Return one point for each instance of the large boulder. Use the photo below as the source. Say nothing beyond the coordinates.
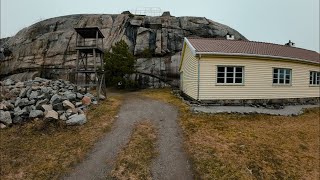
(5, 117)
(24, 102)
(5, 105)
(35, 114)
(67, 104)
(46, 107)
(8, 82)
(34, 95)
(46, 45)
(76, 119)
(86, 100)
(142, 40)
(51, 115)
(56, 99)
(20, 112)
(70, 95)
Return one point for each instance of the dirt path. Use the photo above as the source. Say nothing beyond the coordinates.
(171, 162)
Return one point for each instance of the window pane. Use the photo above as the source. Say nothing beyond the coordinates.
(287, 81)
(220, 80)
(281, 81)
(275, 76)
(220, 75)
(288, 76)
(220, 69)
(230, 75)
(275, 81)
(229, 80)
(281, 71)
(239, 69)
(281, 76)
(314, 81)
(311, 74)
(275, 71)
(288, 72)
(238, 80)
(230, 69)
(239, 75)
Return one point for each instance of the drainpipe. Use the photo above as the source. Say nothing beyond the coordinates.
(198, 77)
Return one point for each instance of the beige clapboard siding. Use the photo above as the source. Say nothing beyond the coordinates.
(190, 74)
(257, 80)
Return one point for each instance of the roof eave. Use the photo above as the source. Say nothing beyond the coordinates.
(193, 50)
(254, 55)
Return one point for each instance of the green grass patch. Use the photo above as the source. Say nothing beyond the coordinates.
(134, 161)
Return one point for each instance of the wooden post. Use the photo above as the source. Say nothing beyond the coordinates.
(95, 62)
(86, 74)
(97, 40)
(96, 78)
(102, 43)
(77, 64)
(77, 39)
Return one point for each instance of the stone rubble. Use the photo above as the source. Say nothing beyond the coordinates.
(50, 100)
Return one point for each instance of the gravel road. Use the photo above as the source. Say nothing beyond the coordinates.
(171, 163)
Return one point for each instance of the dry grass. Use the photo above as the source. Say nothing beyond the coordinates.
(134, 161)
(40, 150)
(234, 146)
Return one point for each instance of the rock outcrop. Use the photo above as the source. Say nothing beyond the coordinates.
(48, 47)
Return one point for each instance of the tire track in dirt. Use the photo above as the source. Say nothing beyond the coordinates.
(171, 163)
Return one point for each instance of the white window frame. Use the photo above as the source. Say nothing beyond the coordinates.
(312, 75)
(278, 77)
(234, 75)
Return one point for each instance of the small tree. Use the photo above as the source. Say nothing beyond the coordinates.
(119, 64)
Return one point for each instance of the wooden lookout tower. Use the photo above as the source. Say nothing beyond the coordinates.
(89, 62)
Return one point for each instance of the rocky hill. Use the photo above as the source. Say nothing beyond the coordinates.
(48, 46)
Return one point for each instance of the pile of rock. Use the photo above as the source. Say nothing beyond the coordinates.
(41, 98)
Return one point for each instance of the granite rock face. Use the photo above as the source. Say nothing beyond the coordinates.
(48, 47)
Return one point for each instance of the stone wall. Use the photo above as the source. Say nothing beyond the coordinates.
(266, 103)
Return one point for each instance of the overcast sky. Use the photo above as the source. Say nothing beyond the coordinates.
(274, 21)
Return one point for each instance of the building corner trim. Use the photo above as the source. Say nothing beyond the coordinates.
(198, 91)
